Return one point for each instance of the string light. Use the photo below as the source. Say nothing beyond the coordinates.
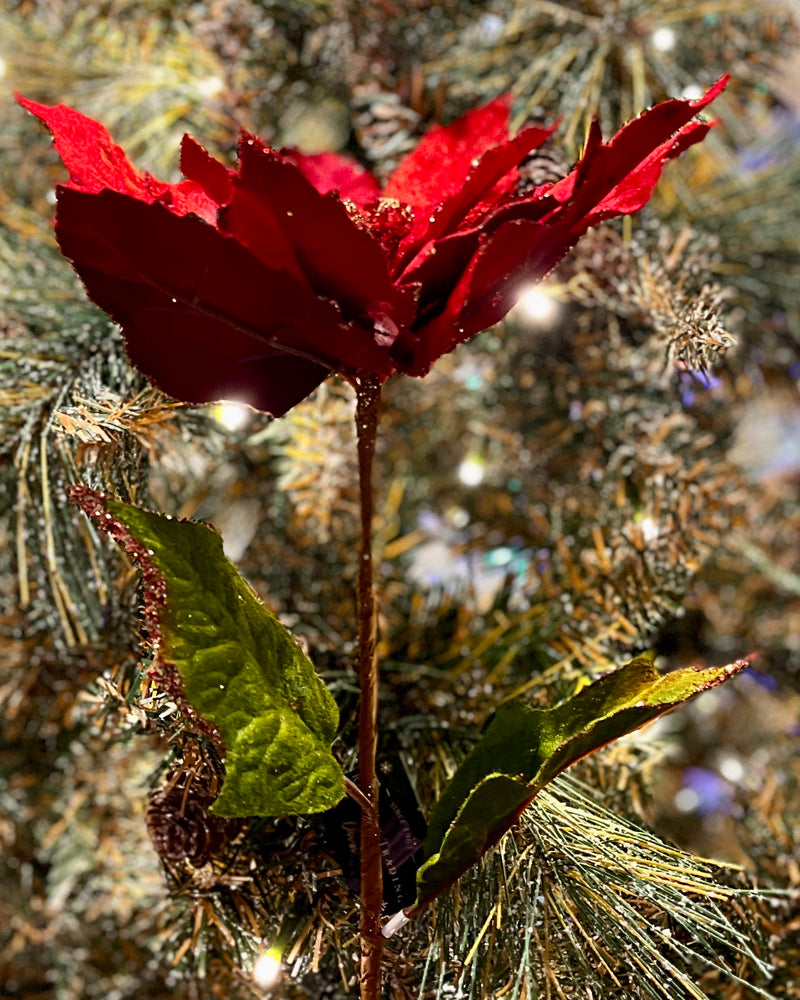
(267, 967)
(538, 305)
(650, 528)
(663, 39)
(210, 86)
(472, 470)
(231, 415)
(731, 768)
(491, 28)
(686, 800)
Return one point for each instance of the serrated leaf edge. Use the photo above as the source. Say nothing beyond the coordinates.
(94, 504)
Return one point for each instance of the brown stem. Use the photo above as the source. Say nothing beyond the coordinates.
(356, 794)
(368, 395)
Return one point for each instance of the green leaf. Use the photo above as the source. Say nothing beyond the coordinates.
(523, 748)
(239, 667)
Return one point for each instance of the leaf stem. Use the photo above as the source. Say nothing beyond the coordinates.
(368, 395)
(356, 794)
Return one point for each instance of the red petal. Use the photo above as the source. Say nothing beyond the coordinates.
(491, 178)
(439, 165)
(96, 164)
(190, 298)
(473, 278)
(625, 170)
(188, 198)
(439, 267)
(633, 193)
(255, 212)
(334, 172)
(213, 177)
(516, 255)
(519, 253)
(281, 218)
(208, 361)
(93, 161)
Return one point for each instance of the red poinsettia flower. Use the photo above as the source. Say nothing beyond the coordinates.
(254, 284)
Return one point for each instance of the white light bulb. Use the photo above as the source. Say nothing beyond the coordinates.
(231, 415)
(650, 528)
(686, 800)
(210, 86)
(537, 305)
(267, 967)
(663, 39)
(731, 768)
(471, 471)
(491, 27)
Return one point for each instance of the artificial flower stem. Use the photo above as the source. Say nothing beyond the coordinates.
(368, 394)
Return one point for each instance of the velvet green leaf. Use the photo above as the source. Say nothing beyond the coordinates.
(240, 669)
(523, 748)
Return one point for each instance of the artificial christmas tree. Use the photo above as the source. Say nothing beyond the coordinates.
(590, 490)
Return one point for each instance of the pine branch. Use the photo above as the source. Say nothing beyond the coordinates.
(582, 60)
(584, 901)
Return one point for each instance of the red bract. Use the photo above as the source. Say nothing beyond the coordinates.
(254, 284)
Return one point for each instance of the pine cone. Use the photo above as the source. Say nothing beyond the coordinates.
(599, 271)
(544, 165)
(180, 824)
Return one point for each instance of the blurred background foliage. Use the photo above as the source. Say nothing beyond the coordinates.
(615, 467)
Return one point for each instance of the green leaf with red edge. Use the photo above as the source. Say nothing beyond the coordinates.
(523, 748)
(240, 669)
